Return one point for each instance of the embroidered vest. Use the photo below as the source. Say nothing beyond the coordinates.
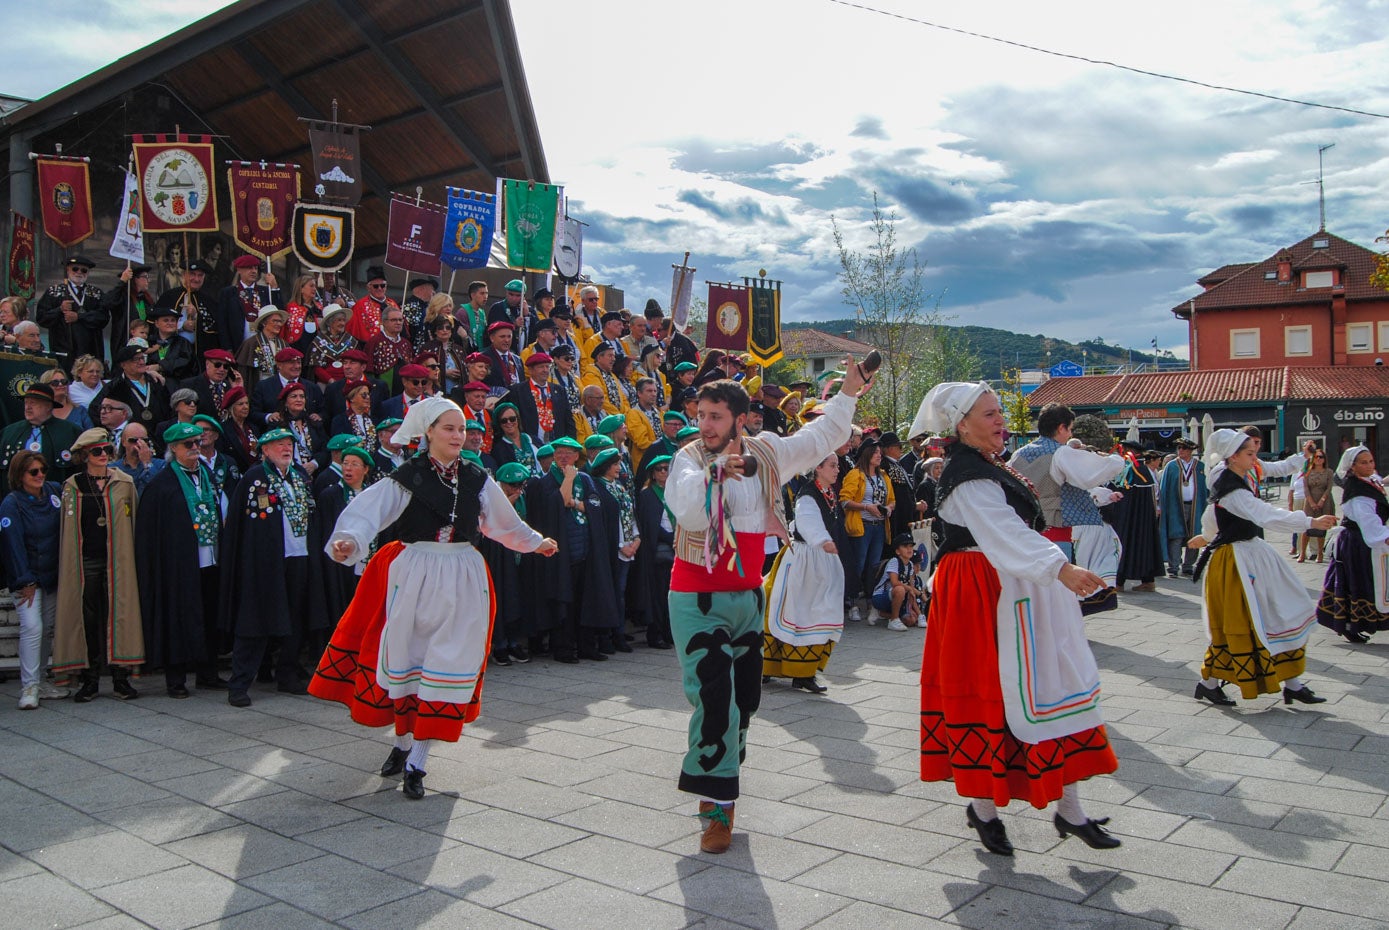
(431, 501)
(689, 544)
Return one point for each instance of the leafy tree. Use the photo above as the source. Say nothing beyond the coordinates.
(1380, 277)
(1016, 415)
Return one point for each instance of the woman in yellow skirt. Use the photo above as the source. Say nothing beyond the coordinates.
(1258, 614)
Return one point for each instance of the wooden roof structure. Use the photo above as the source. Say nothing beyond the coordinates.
(440, 83)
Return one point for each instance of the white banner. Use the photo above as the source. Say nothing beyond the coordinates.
(129, 241)
(569, 248)
(681, 283)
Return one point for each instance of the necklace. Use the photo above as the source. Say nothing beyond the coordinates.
(448, 477)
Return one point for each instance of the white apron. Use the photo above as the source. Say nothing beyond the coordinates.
(1282, 611)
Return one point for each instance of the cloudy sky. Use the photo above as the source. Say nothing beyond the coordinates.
(1044, 194)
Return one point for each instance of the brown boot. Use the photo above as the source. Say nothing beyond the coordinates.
(718, 827)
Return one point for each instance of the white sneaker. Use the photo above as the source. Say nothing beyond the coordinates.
(873, 618)
(51, 692)
(921, 623)
(896, 625)
(854, 616)
(29, 697)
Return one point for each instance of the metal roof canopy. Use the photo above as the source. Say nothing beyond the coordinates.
(440, 82)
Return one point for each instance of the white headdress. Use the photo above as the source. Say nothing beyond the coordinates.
(422, 415)
(1348, 459)
(1222, 444)
(945, 405)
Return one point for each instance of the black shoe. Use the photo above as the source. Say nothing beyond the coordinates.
(1215, 695)
(499, 657)
(238, 699)
(658, 644)
(265, 675)
(123, 690)
(991, 832)
(519, 655)
(1354, 636)
(593, 655)
(413, 784)
(1302, 695)
(606, 647)
(395, 763)
(211, 684)
(87, 691)
(621, 644)
(766, 679)
(178, 692)
(293, 686)
(808, 684)
(1092, 832)
(567, 658)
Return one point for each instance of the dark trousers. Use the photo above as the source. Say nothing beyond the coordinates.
(95, 607)
(176, 673)
(249, 651)
(564, 639)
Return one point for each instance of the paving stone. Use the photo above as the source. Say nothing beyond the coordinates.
(486, 878)
(579, 904)
(864, 916)
(919, 891)
(330, 886)
(243, 851)
(290, 813)
(44, 900)
(1345, 894)
(167, 819)
(46, 825)
(881, 841)
(434, 910)
(510, 834)
(104, 860)
(217, 788)
(182, 897)
(1309, 918)
(1274, 845)
(1004, 907)
(104, 792)
(634, 824)
(277, 916)
(753, 900)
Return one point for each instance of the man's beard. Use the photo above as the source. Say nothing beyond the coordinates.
(732, 435)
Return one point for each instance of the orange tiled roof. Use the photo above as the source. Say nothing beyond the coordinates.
(799, 343)
(1231, 385)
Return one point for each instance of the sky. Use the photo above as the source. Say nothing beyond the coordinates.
(1043, 194)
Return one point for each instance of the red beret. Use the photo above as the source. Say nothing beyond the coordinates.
(475, 386)
(478, 357)
(356, 355)
(232, 396)
(500, 324)
(288, 354)
(414, 371)
(246, 261)
(218, 355)
(291, 388)
(538, 358)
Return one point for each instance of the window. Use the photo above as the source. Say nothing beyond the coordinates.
(1317, 279)
(1321, 243)
(819, 365)
(1384, 337)
(1297, 340)
(1270, 275)
(1360, 337)
(1244, 343)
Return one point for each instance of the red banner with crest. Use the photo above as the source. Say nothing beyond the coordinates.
(66, 191)
(177, 193)
(262, 204)
(21, 266)
(728, 318)
(415, 235)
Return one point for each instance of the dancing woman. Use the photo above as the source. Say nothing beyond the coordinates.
(1352, 602)
(1009, 687)
(1258, 631)
(417, 659)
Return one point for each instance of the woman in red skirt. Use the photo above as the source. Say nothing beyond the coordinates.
(1009, 687)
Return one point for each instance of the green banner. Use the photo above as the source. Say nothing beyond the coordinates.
(17, 372)
(531, 211)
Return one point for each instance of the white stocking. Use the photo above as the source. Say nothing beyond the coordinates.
(1295, 683)
(419, 754)
(405, 741)
(1211, 682)
(1069, 806)
(984, 810)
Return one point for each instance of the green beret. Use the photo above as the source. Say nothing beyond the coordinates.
(389, 422)
(546, 451)
(181, 431)
(472, 456)
(360, 453)
(497, 410)
(609, 424)
(675, 414)
(513, 473)
(658, 461)
(597, 441)
(687, 432)
(474, 426)
(601, 460)
(342, 441)
(210, 422)
(274, 435)
(517, 285)
(684, 367)
(567, 442)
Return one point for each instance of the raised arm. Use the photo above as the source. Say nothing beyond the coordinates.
(368, 514)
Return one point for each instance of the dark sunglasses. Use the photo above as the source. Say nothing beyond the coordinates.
(59, 382)
(505, 420)
(36, 471)
(376, 287)
(102, 450)
(219, 365)
(416, 380)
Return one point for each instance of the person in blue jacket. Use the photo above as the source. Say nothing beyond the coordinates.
(29, 522)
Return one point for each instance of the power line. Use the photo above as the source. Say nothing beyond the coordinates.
(1107, 64)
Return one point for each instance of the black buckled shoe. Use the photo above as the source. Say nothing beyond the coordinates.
(395, 762)
(413, 784)
(1092, 832)
(991, 832)
(123, 690)
(1355, 636)
(808, 684)
(1303, 695)
(1215, 695)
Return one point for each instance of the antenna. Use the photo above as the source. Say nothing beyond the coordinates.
(1321, 186)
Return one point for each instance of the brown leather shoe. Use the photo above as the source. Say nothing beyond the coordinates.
(718, 827)
(1149, 586)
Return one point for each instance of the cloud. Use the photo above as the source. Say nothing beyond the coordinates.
(869, 127)
(743, 210)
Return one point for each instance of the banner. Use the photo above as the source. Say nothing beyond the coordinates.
(531, 211)
(468, 228)
(66, 193)
(414, 235)
(337, 165)
(322, 236)
(129, 242)
(681, 287)
(262, 203)
(764, 327)
(17, 372)
(728, 318)
(21, 267)
(176, 183)
(569, 249)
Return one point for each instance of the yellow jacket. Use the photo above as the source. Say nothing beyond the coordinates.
(594, 378)
(640, 432)
(855, 486)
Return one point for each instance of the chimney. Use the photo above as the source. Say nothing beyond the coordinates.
(1285, 267)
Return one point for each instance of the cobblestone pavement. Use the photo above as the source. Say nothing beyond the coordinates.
(558, 808)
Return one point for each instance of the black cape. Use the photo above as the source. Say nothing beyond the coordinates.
(166, 568)
(1135, 520)
(339, 581)
(652, 573)
(545, 506)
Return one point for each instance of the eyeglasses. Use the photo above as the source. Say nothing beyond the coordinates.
(36, 471)
(105, 451)
(105, 409)
(416, 380)
(377, 286)
(59, 382)
(506, 420)
(220, 366)
(432, 367)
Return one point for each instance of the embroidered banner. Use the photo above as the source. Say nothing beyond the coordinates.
(337, 165)
(764, 328)
(21, 266)
(569, 249)
(66, 191)
(531, 212)
(17, 373)
(322, 235)
(176, 183)
(469, 228)
(129, 240)
(728, 318)
(262, 204)
(681, 287)
(415, 235)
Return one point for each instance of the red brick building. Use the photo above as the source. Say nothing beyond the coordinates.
(1309, 304)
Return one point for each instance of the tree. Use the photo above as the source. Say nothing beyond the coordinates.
(1380, 276)
(1016, 415)
(884, 285)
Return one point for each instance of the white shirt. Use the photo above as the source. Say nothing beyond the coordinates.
(1010, 545)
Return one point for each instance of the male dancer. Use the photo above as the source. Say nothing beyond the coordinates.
(724, 491)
